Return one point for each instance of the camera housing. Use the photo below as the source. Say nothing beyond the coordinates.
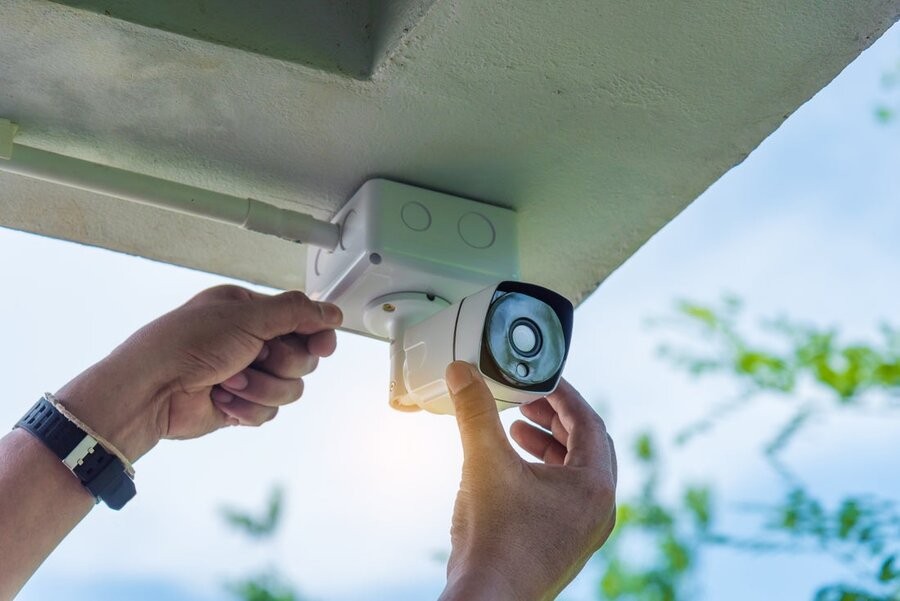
(516, 334)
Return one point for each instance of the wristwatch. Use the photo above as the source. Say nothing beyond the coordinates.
(99, 470)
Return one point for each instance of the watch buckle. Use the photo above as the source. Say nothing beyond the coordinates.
(81, 450)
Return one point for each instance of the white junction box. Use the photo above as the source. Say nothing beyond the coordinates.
(397, 238)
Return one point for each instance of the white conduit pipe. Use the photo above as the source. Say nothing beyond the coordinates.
(247, 213)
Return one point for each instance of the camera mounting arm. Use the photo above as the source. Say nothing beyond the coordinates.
(389, 316)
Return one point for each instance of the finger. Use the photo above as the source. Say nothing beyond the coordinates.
(262, 388)
(292, 312)
(204, 418)
(537, 442)
(247, 413)
(322, 344)
(613, 460)
(587, 444)
(476, 412)
(541, 413)
(287, 358)
(219, 395)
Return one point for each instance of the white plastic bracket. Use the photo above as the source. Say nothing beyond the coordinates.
(8, 131)
(389, 316)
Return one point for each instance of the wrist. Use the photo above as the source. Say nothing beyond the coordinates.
(491, 576)
(498, 576)
(477, 585)
(116, 403)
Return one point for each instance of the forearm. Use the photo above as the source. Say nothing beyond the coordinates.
(41, 500)
(40, 503)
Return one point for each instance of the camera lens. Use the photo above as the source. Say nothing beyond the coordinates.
(525, 339)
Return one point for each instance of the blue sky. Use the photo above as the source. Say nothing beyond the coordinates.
(807, 226)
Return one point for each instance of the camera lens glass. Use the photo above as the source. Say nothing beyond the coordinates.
(525, 338)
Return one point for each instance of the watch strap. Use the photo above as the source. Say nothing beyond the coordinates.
(99, 470)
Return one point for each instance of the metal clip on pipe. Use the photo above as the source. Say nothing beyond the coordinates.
(247, 213)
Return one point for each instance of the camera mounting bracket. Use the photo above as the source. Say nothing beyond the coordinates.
(396, 238)
(389, 316)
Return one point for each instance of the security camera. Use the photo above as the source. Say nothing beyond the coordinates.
(420, 269)
(516, 334)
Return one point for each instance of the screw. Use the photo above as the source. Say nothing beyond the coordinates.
(388, 308)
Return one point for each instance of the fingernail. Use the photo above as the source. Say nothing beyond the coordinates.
(236, 382)
(459, 375)
(233, 421)
(263, 353)
(332, 314)
(221, 396)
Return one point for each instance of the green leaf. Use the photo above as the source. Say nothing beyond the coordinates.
(767, 370)
(265, 587)
(643, 448)
(704, 315)
(655, 516)
(848, 517)
(697, 500)
(887, 572)
(678, 557)
(261, 526)
(625, 514)
(612, 584)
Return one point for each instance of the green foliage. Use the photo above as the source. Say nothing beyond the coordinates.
(890, 83)
(263, 525)
(659, 541)
(795, 354)
(265, 587)
(268, 586)
(643, 448)
(699, 501)
(862, 532)
(672, 535)
(791, 354)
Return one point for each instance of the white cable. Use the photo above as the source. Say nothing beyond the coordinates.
(247, 213)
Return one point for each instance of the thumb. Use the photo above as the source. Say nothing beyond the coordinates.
(476, 411)
(290, 312)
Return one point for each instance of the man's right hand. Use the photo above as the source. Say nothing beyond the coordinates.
(522, 531)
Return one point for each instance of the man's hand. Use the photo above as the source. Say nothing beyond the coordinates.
(228, 356)
(521, 531)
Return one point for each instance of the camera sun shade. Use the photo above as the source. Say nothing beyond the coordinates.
(524, 341)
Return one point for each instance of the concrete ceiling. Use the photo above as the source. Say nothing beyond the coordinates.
(598, 121)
